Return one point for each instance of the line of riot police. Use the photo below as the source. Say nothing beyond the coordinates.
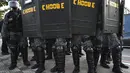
(85, 23)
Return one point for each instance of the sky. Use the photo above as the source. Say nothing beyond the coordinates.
(127, 5)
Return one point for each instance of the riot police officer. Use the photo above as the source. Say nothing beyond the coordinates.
(12, 31)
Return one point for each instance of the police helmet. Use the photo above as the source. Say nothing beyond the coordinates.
(13, 4)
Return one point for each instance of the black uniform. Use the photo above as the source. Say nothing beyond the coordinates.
(90, 48)
(59, 55)
(38, 46)
(12, 31)
(104, 51)
(49, 44)
(114, 45)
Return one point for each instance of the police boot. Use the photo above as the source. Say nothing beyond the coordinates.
(54, 69)
(75, 54)
(96, 58)
(90, 60)
(25, 56)
(14, 55)
(116, 60)
(37, 60)
(13, 62)
(103, 59)
(41, 55)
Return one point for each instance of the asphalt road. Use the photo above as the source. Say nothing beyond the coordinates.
(5, 62)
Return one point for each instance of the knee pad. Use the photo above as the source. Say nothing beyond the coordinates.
(59, 49)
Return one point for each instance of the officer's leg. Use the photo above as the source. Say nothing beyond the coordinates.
(116, 60)
(116, 49)
(24, 51)
(109, 57)
(88, 48)
(36, 58)
(59, 55)
(54, 69)
(4, 48)
(90, 59)
(76, 59)
(40, 54)
(104, 54)
(96, 57)
(76, 40)
(14, 55)
(49, 48)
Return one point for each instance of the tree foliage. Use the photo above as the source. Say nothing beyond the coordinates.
(2, 3)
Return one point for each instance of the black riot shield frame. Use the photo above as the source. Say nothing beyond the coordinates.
(111, 16)
(46, 18)
(121, 11)
(84, 16)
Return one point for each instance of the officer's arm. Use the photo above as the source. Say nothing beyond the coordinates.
(4, 30)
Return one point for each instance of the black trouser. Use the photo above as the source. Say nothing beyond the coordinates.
(49, 45)
(17, 44)
(39, 52)
(104, 54)
(116, 57)
(4, 47)
(59, 54)
(76, 41)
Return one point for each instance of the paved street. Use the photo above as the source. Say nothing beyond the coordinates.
(5, 62)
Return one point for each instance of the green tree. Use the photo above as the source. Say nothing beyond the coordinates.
(2, 3)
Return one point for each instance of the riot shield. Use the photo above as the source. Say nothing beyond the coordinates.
(46, 18)
(55, 18)
(31, 26)
(84, 16)
(111, 16)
